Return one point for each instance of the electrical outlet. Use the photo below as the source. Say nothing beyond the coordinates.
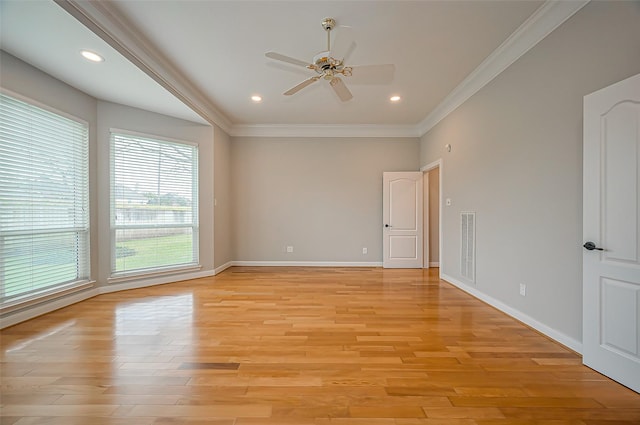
(289, 248)
(365, 250)
(523, 289)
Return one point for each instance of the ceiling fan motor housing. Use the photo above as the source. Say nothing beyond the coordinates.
(324, 62)
(328, 24)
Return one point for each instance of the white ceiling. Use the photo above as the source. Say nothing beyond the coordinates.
(41, 33)
(216, 49)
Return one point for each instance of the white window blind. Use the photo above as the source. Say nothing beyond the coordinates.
(44, 202)
(154, 204)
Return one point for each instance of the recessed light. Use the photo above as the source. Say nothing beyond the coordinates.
(92, 56)
(395, 98)
(256, 98)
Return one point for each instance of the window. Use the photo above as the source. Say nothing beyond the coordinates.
(44, 203)
(154, 204)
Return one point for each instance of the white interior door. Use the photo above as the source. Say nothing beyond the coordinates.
(402, 219)
(611, 261)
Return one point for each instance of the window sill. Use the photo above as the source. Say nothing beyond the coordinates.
(126, 277)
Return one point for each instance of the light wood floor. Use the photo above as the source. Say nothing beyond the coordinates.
(301, 346)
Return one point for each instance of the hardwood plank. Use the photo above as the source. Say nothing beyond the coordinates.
(463, 412)
(113, 399)
(93, 420)
(387, 411)
(220, 411)
(210, 365)
(539, 402)
(85, 410)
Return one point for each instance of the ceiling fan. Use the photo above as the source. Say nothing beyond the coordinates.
(329, 65)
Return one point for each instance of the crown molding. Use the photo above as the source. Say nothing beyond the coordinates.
(324, 130)
(104, 20)
(541, 23)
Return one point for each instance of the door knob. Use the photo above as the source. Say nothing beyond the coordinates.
(590, 246)
(387, 225)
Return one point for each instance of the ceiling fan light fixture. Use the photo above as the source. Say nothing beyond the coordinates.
(395, 98)
(91, 56)
(256, 98)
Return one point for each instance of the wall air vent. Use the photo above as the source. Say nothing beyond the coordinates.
(468, 246)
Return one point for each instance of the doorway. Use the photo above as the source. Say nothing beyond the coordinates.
(432, 212)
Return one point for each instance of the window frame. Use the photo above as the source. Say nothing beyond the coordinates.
(121, 276)
(83, 259)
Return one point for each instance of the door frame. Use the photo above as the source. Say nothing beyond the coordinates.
(425, 169)
(426, 230)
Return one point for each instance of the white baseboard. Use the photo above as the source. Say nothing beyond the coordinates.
(434, 264)
(223, 267)
(44, 308)
(306, 264)
(516, 314)
(153, 281)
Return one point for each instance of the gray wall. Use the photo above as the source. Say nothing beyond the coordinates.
(111, 115)
(222, 194)
(516, 161)
(323, 196)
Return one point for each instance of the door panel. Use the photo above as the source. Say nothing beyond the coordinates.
(402, 219)
(402, 204)
(619, 325)
(620, 200)
(403, 247)
(611, 273)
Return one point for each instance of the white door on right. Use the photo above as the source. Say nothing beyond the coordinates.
(611, 231)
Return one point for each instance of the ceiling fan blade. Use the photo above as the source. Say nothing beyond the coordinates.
(300, 86)
(341, 89)
(372, 74)
(343, 43)
(283, 58)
